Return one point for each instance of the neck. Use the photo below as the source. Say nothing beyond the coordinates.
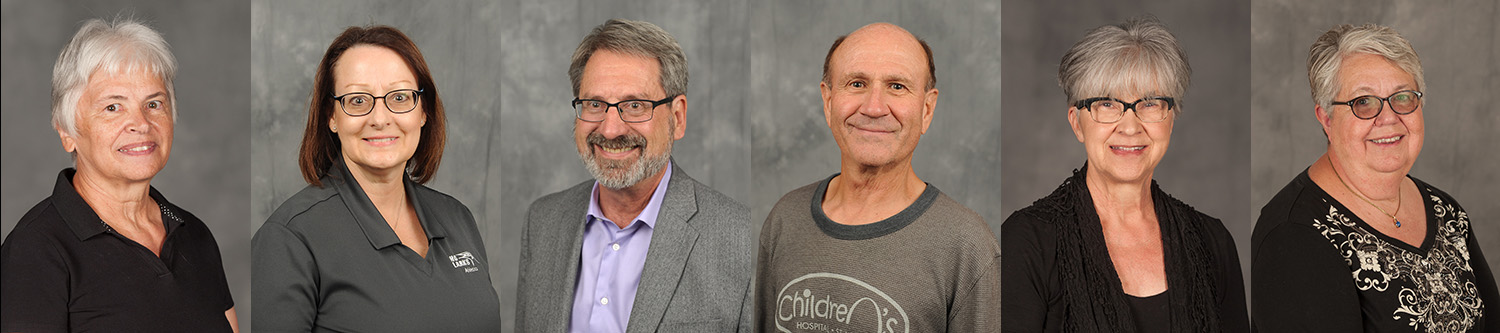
(1121, 201)
(385, 188)
(623, 205)
(868, 194)
(124, 204)
(1373, 185)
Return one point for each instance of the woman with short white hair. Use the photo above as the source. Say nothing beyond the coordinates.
(1355, 243)
(107, 252)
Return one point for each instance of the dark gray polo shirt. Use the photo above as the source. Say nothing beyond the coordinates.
(327, 261)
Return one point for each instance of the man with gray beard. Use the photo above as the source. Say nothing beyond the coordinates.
(591, 242)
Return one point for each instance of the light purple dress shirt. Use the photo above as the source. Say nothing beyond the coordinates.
(612, 263)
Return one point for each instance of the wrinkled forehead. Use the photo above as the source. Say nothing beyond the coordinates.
(880, 49)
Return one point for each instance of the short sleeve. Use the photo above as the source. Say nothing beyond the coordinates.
(977, 308)
(283, 281)
(34, 292)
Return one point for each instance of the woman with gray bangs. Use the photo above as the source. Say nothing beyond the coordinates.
(107, 252)
(1108, 251)
(1355, 243)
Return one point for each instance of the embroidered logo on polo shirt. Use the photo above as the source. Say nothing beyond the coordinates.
(466, 261)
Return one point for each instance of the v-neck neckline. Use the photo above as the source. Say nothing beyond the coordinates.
(1428, 216)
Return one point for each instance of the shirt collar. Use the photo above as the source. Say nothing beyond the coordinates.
(653, 207)
(81, 218)
(369, 219)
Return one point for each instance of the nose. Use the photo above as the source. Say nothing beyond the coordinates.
(1387, 114)
(380, 115)
(612, 126)
(874, 105)
(1129, 124)
(138, 121)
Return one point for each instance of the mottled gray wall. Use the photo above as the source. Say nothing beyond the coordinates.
(207, 173)
(1207, 165)
(1459, 42)
(458, 40)
(792, 145)
(535, 154)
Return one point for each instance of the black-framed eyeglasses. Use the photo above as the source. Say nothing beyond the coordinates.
(1369, 106)
(1109, 109)
(631, 110)
(399, 101)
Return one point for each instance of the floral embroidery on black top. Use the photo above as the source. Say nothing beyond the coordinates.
(1435, 290)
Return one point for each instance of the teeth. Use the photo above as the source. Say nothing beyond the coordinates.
(1389, 140)
(382, 140)
(136, 149)
(615, 150)
(1129, 148)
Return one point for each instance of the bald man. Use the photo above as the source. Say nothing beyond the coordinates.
(873, 248)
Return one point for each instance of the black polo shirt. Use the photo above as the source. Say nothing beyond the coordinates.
(327, 261)
(63, 270)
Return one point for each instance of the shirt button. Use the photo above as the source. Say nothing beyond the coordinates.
(604, 301)
(615, 246)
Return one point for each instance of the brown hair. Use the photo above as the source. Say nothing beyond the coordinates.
(321, 147)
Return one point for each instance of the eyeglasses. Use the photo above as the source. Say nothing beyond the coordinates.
(1369, 106)
(399, 101)
(631, 110)
(1109, 110)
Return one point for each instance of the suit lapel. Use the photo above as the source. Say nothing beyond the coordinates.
(571, 225)
(671, 242)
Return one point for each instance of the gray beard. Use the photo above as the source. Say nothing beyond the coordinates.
(616, 175)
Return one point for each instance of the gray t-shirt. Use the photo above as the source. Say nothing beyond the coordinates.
(933, 267)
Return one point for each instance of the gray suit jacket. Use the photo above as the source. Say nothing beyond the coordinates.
(697, 272)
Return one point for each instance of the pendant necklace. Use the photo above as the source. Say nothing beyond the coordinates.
(1362, 196)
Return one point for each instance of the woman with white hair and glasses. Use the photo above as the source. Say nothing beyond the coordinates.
(1355, 243)
(107, 252)
(1109, 251)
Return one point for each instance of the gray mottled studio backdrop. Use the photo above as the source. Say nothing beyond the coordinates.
(207, 171)
(503, 74)
(535, 153)
(1459, 42)
(1207, 165)
(458, 40)
(792, 145)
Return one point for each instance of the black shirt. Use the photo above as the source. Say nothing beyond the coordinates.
(327, 261)
(63, 269)
(1151, 313)
(1319, 268)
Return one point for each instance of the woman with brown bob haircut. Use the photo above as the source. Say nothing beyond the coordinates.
(365, 246)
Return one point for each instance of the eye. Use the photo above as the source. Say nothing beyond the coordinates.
(898, 86)
(398, 97)
(1106, 104)
(154, 105)
(358, 100)
(857, 84)
(1150, 103)
(113, 107)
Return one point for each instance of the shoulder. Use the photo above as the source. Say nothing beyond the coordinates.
(440, 201)
(1291, 210)
(310, 198)
(41, 228)
(558, 201)
(797, 202)
(713, 201)
(964, 220)
(1437, 195)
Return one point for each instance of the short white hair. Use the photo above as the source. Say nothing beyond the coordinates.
(1124, 58)
(121, 46)
(1326, 56)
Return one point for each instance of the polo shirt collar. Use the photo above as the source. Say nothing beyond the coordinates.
(369, 219)
(81, 218)
(647, 215)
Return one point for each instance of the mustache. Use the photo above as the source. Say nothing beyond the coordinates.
(623, 141)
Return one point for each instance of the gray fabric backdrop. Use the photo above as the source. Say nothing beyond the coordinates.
(791, 145)
(208, 171)
(504, 80)
(1459, 42)
(1207, 165)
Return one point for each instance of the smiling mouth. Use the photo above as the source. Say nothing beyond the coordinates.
(1389, 140)
(381, 140)
(137, 149)
(1127, 148)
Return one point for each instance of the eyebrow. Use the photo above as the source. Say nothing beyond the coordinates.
(392, 83)
(1368, 90)
(624, 98)
(118, 97)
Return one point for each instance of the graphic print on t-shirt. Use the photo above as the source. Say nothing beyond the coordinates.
(836, 303)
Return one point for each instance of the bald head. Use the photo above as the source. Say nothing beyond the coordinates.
(882, 36)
